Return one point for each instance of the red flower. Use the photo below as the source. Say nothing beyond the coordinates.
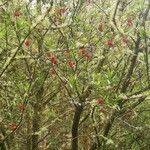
(100, 101)
(129, 22)
(85, 53)
(71, 63)
(82, 50)
(125, 39)
(110, 43)
(27, 43)
(52, 58)
(13, 126)
(17, 14)
(54, 61)
(103, 110)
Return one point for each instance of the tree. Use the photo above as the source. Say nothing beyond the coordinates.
(74, 74)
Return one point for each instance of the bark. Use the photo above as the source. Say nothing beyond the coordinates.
(75, 126)
(77, 116)
(35, 129)
(29, 131)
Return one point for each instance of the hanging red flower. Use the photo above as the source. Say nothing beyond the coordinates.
(52, 58)
(103, 110)
(13, 126)
(125, 39)
(17, 13)
(129, 22)
(27, 43)
(110, 43)
(71, 63)
(100, 101)
(85, 53)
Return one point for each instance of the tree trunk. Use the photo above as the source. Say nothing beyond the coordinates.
(75, 127)
(35, 128)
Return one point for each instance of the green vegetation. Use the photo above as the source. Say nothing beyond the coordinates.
(74, 74)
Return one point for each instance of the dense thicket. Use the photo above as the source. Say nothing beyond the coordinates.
(74, 74)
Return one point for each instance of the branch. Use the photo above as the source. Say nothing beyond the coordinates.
(10, 60)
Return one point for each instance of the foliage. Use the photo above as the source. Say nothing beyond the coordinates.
(74, 74)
